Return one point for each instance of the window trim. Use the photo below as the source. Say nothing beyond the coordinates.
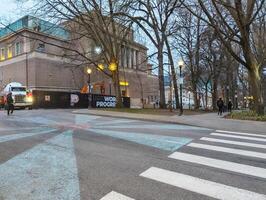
(9, 51)
(17, 48)
(2, 54)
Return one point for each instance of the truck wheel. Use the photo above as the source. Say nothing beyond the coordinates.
(30, 107)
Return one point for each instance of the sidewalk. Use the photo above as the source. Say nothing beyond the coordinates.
(209, 120)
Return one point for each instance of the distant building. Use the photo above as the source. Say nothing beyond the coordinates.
(31, 53)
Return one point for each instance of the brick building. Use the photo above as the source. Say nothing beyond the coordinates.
(31, 53)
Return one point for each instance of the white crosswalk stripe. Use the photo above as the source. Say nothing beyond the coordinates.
(241, 133)
(240, 137)
(253, 147)
(228, 150)
(115, 196)
(201, 186)
(247, 144)
(220, 164)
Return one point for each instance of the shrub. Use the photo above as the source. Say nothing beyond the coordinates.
(247, 115)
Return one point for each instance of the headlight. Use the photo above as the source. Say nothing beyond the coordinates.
(29, 99)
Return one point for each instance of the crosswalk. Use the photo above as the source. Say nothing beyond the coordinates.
(115, 196)
(245, 146)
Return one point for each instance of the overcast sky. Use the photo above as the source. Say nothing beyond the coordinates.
(10, 11)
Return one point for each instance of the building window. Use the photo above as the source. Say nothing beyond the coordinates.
(137, 59)
(9, 51)
(17, 48)
(124, 93)
(41, 47)
(2, 54)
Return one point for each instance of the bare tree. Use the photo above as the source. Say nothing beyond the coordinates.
(188, 43)
(93, 24)
(232, 21)
(153, 17)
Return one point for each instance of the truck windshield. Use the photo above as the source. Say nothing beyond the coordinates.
(18, 89)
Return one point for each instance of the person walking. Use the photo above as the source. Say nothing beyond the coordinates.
(229, 106)
(220, 105)
(9, 102)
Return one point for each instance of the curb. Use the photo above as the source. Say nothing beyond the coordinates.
(143, 119)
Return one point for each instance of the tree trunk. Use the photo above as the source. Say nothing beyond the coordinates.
(206, 95)
(117, 88)
(195, 95)
(256, 89)
(214, 95)
(161, 78)
(173, 72)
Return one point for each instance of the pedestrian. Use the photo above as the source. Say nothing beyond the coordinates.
(220, 105)
(9, 103)
(157, 104)
(229, 106)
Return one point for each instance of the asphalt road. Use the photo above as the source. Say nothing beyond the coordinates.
(58, 155)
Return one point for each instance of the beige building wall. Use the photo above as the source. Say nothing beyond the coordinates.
(42, 64)
(140, 86)
(45, 72)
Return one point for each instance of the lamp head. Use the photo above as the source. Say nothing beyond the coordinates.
(98, 50)
(180, 63)
(89, 70)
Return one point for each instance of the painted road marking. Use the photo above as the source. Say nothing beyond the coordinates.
(228, 150)
(262, 146)
(160, 126)
(115, 196)
(83, 119)
(220, 164)
(7, 138)
(115, 121)
(167, 143)
(241, 133)
(239, 137)
(39, 120)
(19, 129)
(201, 186)
(47, 171)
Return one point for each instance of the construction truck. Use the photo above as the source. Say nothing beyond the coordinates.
(22, 97)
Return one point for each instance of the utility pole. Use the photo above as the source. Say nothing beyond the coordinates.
(27, 71)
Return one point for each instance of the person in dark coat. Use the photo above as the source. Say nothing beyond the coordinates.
(229, 106)
(10, 105)
(220, 105)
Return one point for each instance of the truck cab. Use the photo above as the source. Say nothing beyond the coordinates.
(21, 96)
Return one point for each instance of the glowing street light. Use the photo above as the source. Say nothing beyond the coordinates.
(181, 65)
(98, 50)
(113, 66)
(89, 71)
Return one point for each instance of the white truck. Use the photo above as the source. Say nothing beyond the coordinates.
(22, 98)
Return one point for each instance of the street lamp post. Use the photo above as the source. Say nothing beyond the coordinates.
(189, 100)
(181, 64)
(89, 79)
(236, 101)
(89, 86)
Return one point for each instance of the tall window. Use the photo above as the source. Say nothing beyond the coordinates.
(2, 54)
(9, 51)
(41, 47)
(18, 48)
